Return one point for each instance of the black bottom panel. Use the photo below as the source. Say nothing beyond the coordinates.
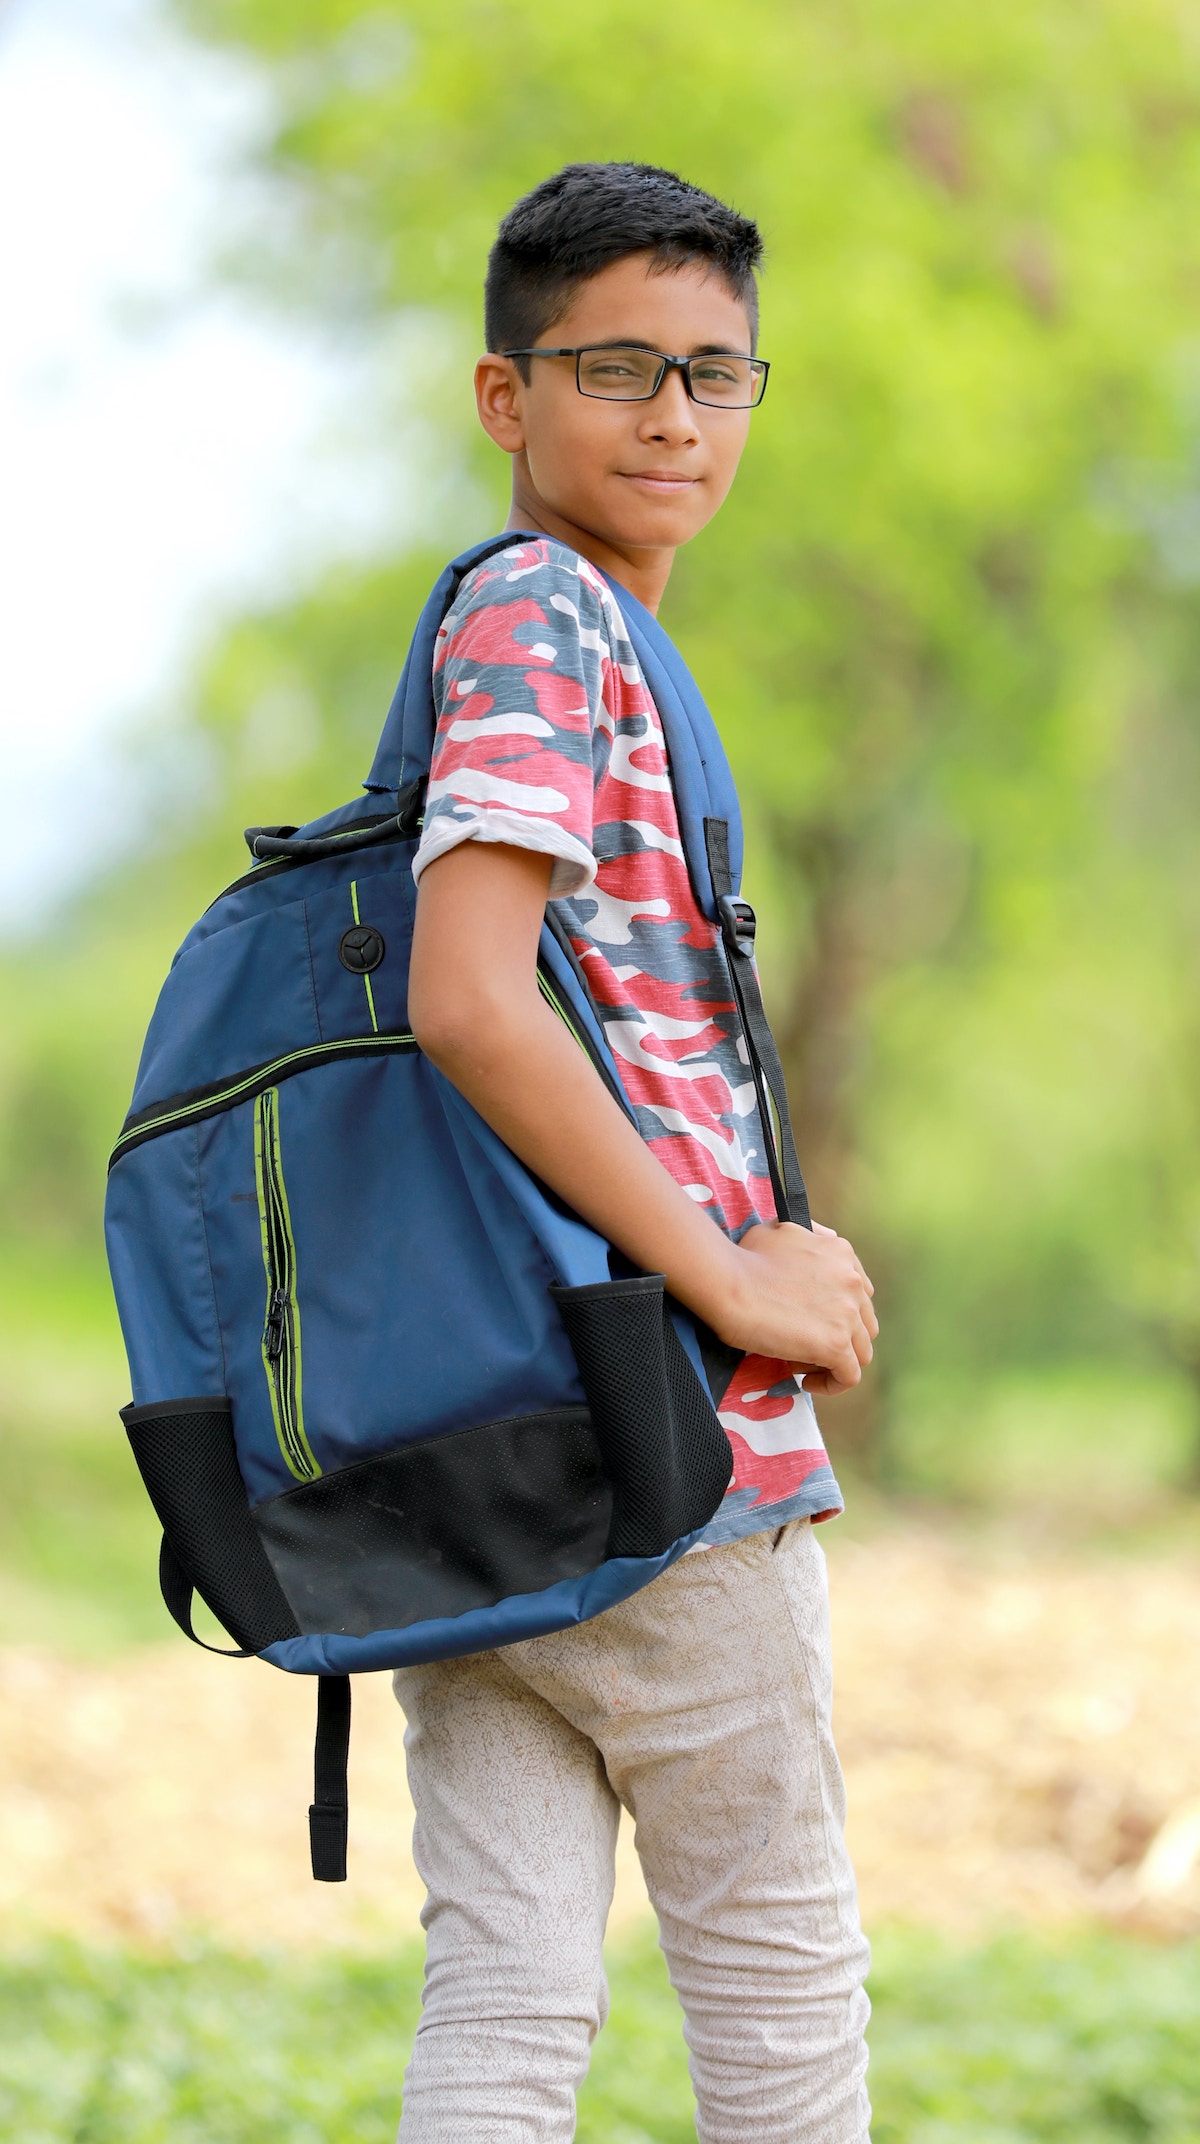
(663, 1448)
(188, 1461)
(454, 1523)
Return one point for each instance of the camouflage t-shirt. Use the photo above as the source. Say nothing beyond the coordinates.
(548, 739)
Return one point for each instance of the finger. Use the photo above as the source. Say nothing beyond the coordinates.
(870, 1321)
(819, 1229)
(861, 1343)
(823, 1384)
(845, 1367)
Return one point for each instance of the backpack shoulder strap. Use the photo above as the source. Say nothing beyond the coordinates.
(406, 745)
(737, 920)
(700, 772)
(710, 822)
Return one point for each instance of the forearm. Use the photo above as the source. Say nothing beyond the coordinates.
(475, 1008)
(533, 1084)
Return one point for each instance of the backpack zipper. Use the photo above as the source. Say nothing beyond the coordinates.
(281, 1332)
(204, 1102)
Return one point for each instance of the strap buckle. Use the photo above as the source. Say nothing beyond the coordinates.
(738, 925)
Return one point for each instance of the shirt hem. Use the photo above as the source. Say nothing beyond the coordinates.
(574, 866)
(815, 1500)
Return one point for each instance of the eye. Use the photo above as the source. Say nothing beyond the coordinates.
(620, 367)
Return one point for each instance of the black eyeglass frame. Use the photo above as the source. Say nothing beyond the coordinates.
(681, 365)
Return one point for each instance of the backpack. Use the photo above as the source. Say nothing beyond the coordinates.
(392, 1400)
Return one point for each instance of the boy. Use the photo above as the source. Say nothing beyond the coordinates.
(621, 319)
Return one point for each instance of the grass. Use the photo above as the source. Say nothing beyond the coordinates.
(78, 1539)
(1093, 2040)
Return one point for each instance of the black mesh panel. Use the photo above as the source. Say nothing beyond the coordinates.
(436, 1528)
(666, 1454)
(187, 1458)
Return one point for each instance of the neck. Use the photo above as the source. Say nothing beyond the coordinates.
(643, 572)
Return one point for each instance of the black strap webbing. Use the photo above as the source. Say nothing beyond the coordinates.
(177, 1592)
(329, 1816)
(737, 930)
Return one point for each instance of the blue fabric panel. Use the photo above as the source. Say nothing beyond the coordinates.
(385, 899)
(525, 1615)
(158, 1253)
(271, 980)
(579, 1256)
(269, 890)
(369, 1158)
(232, 1001)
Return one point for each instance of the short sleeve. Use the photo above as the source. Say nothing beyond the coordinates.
(518, 689)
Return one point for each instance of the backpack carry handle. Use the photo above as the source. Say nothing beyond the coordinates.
(267, 843)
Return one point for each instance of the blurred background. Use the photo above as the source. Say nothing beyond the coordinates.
(949, 626)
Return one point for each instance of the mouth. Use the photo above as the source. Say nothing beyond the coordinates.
(663, 483)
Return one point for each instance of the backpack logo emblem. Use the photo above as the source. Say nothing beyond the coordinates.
(361, 949)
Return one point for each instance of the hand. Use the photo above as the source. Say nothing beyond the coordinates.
(803, 1298)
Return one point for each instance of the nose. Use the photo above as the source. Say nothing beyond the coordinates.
(671, 416)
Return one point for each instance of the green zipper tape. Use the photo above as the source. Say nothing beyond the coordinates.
(210, 1101)
(281, 1331)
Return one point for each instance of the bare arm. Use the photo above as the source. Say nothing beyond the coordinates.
(476, 1011)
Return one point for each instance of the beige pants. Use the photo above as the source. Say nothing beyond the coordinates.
(703, 1705)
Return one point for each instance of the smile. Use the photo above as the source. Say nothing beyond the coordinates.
(658, 480)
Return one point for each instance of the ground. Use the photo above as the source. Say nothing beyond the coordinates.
(1018, 1722)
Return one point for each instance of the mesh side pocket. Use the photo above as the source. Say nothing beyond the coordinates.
(187, 1459)
(664, 1450)
(436, 1528)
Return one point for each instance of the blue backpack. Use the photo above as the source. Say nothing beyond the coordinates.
(392, 1400)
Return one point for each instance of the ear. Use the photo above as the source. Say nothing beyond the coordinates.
(499, 398)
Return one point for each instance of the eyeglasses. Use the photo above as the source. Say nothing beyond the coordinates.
(624, 373)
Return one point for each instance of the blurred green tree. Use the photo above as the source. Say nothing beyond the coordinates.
(947, 621)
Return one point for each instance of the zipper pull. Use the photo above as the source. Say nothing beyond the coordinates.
(276, 1316)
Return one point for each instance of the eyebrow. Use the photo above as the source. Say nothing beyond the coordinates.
(634, 342)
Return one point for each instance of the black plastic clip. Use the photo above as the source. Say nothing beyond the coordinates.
(738, 925)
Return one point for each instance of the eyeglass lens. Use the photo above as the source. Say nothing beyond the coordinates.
(635, 375)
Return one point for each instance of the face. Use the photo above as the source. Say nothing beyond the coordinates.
(639, 476)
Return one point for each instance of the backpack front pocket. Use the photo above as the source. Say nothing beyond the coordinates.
(281, 1351)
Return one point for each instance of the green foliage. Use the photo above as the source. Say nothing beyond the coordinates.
(78, 1538)
(947, 622)
(944, 618)
(1086, 2042)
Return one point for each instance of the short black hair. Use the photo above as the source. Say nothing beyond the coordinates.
(588, 216)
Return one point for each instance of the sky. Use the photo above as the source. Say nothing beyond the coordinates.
(167, 452)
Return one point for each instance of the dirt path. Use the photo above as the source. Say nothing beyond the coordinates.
(1021, 1740)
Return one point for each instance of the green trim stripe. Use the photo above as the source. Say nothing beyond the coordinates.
(556, 1005)
(248, 1084)
(281, 1331)
(366, 978)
